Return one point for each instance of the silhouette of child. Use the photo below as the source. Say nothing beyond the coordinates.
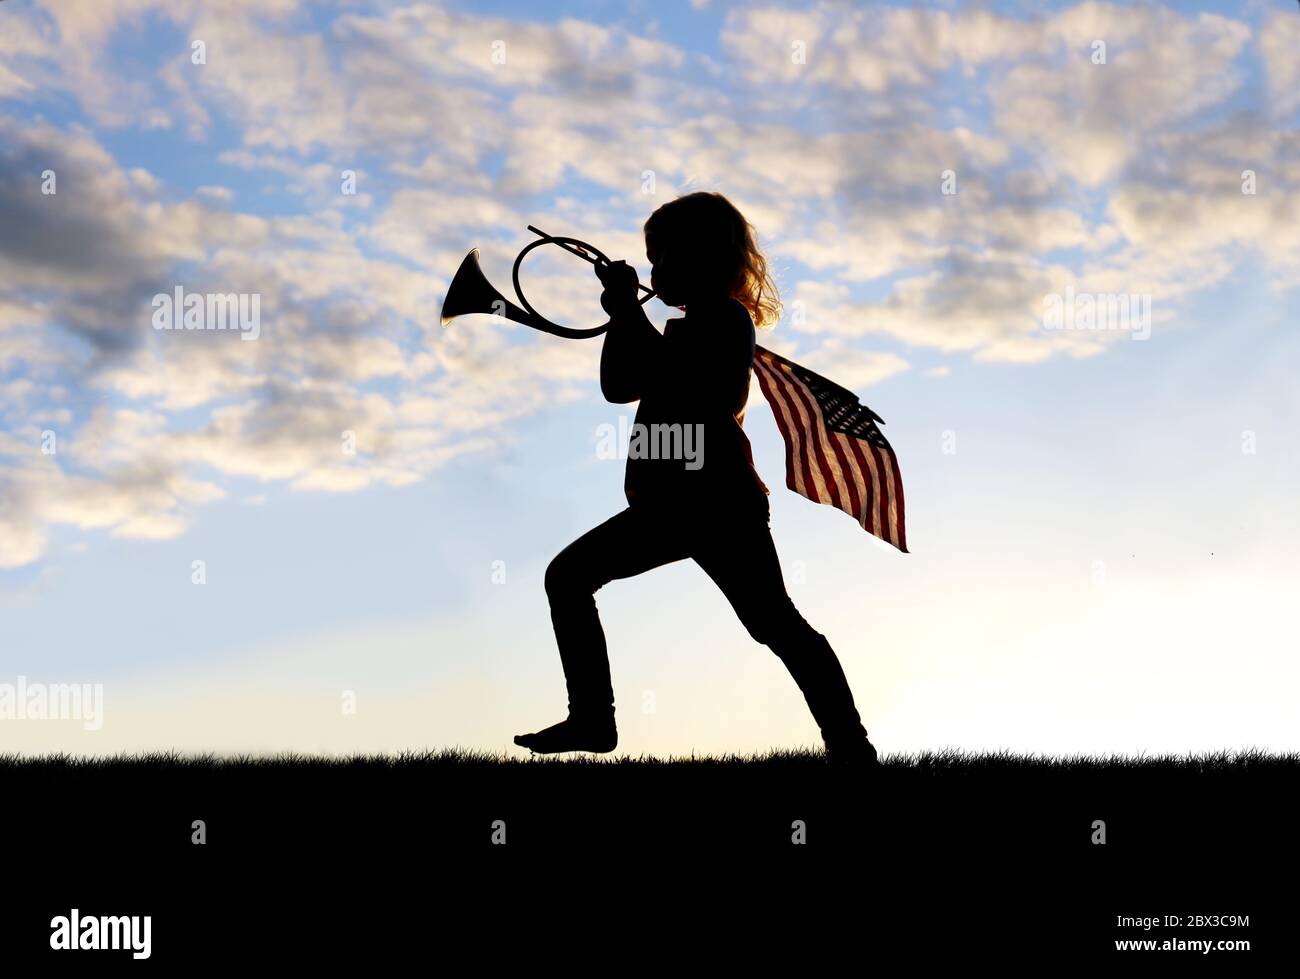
(712, 509)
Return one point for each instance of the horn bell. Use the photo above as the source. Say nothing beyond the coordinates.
(471, 292)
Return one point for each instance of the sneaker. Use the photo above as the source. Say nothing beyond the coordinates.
(600, 736)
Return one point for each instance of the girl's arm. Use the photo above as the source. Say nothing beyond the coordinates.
(709, 373)
(629, 355)
(632, 345)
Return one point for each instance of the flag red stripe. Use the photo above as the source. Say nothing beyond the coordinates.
(813, 419)
(861, 480)
(882, 500)
(871, 515)
(808, 435)
(770, 384)
(838, 471)
(902, 523)
(812, 488)
(896, 498)
(848, 473)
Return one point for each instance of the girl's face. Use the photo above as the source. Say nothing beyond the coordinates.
(678, 272)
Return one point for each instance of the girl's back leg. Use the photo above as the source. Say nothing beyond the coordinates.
(743, 562)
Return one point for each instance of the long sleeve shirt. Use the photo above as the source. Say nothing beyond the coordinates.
(687, 445)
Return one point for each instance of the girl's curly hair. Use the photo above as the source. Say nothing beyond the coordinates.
(716, 229)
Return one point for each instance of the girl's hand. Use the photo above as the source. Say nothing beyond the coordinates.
(619, 298)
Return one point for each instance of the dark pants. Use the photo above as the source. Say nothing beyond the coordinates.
(734, 547)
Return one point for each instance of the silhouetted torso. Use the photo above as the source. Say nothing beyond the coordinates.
(698, 385)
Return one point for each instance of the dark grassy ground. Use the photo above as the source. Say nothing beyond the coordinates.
(939, 763)
(934, 851)
(950, 799)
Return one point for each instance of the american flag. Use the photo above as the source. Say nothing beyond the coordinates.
(834, 450)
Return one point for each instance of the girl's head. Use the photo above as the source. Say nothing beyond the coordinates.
(702, 248)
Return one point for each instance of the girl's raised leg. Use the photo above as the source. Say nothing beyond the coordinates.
(625, 545)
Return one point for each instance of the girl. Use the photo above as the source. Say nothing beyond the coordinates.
(696, 373)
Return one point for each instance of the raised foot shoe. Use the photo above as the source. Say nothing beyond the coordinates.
(572, 735)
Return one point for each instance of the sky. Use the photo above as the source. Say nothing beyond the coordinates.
(1101, 520)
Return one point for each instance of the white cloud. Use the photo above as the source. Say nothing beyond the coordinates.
(1279, 45)
(1111, 178)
